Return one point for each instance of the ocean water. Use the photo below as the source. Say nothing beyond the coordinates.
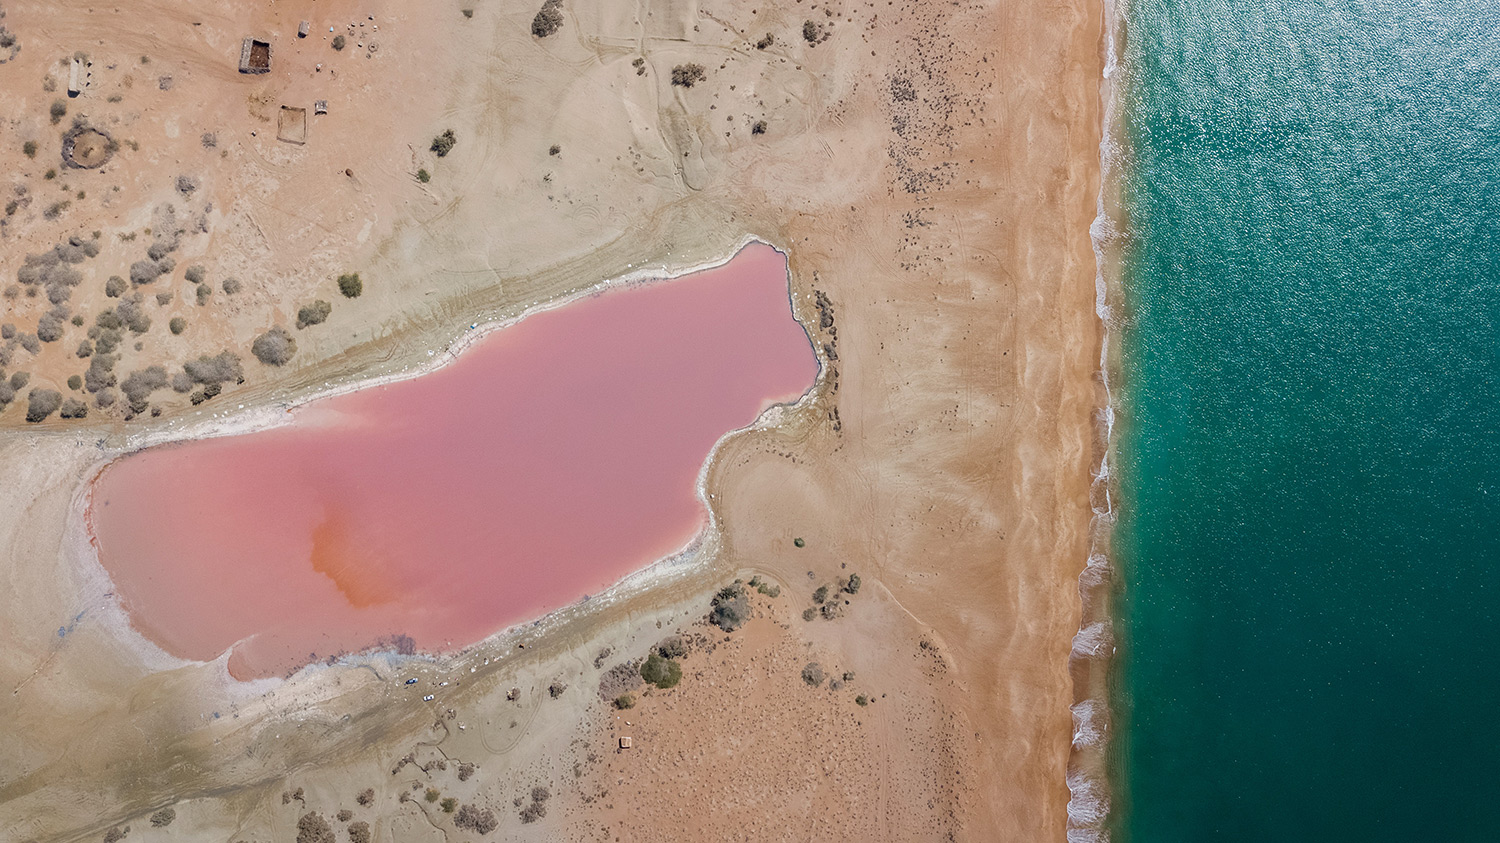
(1308, 448)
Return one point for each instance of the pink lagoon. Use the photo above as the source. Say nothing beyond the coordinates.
(551, 459)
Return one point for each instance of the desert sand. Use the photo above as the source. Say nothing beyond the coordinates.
(930, 169)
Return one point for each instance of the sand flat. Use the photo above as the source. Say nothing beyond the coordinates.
(931, 170)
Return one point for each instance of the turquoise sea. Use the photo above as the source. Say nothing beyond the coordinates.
(1308, 453)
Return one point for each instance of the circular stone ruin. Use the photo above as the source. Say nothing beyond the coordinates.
(87, 148)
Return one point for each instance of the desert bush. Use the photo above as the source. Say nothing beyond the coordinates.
(765, 42)
(231, 286)
(107, 341)
(672, 647)
(350, 285)
(625, 701)
(556, 689)
(554, 149)
(663, 673)
(164, 298)
(548, 20)
(366, 797)
(813, 32)
(338, 42)
(769, 590)
(177, 325)
(181, 383)
(313, 314)
(617, 680)
(533, 812)
(29, 148)
(49, 328)
(275, 347)
(100, 373)
(7, 394)
(85, 349)
(360, 832)
(221, 368)
(7, 331)
(108, 319)
(144, 272)
(443, 144)
(105, 398)
(139, 385)
(809, 614)
(731, 608)
(812, 674)
(195, 274)
(116, 834)
(821, 594)
(851, 586)
(465, 771)
(41, 403)
(861, 700)
(132, 314)
(19, 380)
(59, 110)
(203, 293)
(114, 287)
(29, 342)
(688, 75)
(449, 805)
(758, 127)
(312, 828)
(164, 817)
(473, 819)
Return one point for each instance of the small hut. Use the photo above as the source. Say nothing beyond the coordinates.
(626, 742)
(303, 28)
(255, 56)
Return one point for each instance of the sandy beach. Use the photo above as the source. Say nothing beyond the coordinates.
(931, 173)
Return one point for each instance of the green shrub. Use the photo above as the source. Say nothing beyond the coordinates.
(59, 110)
(163, 818)
(625, 701)
(821, 594)
(443, 144)
(663, 673)
(29, 148)
(449, 805)
(177, 325)
(338, 42)
(861, 700)
(75, 382)
(423, 176)
(350, 285)
(432, 794)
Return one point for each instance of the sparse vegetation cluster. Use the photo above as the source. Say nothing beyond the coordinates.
(688, 75)
(730, 607)
(548, 20)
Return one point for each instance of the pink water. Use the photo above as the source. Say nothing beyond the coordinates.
(551, 459)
